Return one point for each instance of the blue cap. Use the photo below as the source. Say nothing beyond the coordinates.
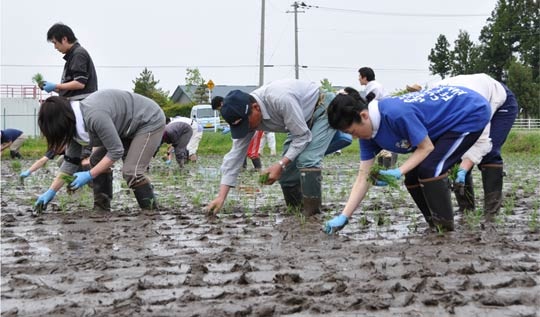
(235, 111)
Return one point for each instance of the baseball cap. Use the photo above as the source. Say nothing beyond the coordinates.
(235, 111)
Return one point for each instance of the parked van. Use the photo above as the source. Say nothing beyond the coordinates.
(206, 116)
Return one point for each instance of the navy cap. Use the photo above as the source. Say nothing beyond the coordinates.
(235, 111)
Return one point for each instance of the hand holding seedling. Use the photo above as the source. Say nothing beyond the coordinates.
(460, 177)
(48, 86)
(381, 177)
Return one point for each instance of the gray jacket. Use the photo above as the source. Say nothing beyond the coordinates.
(111, 117)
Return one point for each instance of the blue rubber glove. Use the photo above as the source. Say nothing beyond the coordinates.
(48, 86)
(336, 224)
(25, 174)
(396, 173)
(226, 130)
(45, 198)
(168, 162)
(380, 183)
(460, 178)
(81, 179)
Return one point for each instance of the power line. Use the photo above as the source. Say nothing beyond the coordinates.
(367, 12)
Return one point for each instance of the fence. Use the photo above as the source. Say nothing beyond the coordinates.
(526, 124)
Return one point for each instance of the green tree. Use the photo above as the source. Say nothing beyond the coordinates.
(440, 57)
(196, 86)
(527, 92)
(146, 85)
(463, 61)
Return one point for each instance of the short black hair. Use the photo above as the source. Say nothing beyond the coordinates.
(58, 31)
(367, 72)
(217, 102)
(56, 121)
(344, 109)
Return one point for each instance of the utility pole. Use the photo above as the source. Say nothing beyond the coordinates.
(295, 5)
(261, 48)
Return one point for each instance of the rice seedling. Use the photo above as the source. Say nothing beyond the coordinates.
(375, 175)
(38, 80)
(16, 166)
(473, 218)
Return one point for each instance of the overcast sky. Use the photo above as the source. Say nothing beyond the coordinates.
(221, 38)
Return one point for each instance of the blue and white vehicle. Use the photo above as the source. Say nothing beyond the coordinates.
(206, 116)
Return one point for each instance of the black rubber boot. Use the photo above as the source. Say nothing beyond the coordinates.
(310, 180)
(15, 155)
(492, 179)
(293, 196)
(257, 163)
(103, 191)
(418, 196)
(439, 200)
(244, 164)
(145, 196)
(465, 194)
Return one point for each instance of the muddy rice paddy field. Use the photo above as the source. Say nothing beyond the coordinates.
(257, 259)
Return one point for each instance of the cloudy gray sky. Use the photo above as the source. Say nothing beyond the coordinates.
(221, 38)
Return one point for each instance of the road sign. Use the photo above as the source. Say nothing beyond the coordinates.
(210, 84)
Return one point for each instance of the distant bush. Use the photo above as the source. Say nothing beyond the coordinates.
(177, 109)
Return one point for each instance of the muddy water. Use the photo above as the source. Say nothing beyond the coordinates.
(257, 259)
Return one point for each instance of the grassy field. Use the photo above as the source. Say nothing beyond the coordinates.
(218, 143)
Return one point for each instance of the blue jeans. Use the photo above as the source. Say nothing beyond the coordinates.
(311, 157)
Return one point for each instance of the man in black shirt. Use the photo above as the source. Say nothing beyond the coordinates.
(79, 77)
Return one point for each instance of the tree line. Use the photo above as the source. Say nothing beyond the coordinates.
(508, 49)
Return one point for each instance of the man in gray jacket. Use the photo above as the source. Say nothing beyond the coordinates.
(293, 106)
(118, 125)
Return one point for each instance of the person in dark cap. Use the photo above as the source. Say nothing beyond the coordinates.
(293, 106)
(254, 144)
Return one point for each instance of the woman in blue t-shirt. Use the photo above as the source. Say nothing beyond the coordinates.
(437, 126)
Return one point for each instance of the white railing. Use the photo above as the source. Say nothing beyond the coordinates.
(526, 124)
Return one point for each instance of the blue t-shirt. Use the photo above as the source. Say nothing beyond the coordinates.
(407, 119)
(10, 135)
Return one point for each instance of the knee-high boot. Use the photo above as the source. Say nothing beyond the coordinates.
(418, 196)
(310, 180)
(492, 179)
(103, 191)
(439, 200)
(145, 196)
(465, 194)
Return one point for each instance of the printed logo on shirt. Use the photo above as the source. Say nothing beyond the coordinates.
(442, 92)
(403, 144)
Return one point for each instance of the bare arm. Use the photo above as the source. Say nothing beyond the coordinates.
(422, 151)
(359, 188)
(38, 164)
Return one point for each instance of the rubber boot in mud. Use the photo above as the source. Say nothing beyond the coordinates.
(293, 196)
(103, 191)
(465, 194)
(492, 179)
(145, 196)
(439, 200)
(15, 155)
(257, 163)
(418, 196)
(310, 180)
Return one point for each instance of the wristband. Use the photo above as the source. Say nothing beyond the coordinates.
(282, 164)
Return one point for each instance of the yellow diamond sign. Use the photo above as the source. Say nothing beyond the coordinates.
(210, 84)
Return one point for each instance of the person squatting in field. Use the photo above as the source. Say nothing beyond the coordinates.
(197, 133)
(437, 126)
(177, 134)
(118, 125)
(293, 106)
(486, 152)
(12, 139)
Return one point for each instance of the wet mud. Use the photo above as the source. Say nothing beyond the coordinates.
(256, 258)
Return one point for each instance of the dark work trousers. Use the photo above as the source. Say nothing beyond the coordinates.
(447, 152)
(501, 123)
